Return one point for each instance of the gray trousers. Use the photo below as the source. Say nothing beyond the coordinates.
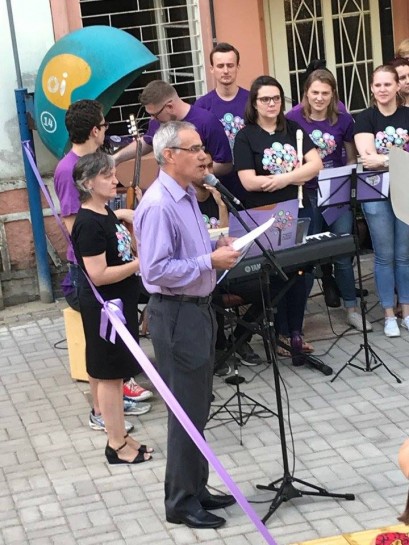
(183, 336)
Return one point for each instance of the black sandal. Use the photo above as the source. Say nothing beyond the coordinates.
(143, 448)
(113, 458)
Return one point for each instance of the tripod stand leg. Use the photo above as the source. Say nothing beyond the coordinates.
(287, 491)
(368, 367)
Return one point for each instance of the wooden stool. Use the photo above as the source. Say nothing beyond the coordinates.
(76, 344)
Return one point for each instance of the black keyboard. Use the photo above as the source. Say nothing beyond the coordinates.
(318, 249)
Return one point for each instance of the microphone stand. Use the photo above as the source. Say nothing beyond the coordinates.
(284, 487)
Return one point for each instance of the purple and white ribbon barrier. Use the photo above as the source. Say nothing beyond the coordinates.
(113, 310)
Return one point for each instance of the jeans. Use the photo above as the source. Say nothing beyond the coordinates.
(390, 241)
(344, 272)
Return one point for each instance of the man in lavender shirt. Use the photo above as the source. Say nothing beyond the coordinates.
(178, 268)
(163, 104)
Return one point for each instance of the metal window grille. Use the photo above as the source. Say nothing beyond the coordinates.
(171, 30)
(353, 51)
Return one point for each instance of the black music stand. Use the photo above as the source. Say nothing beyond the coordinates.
(361, 188)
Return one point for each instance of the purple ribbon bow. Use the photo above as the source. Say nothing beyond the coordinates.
(117, 307)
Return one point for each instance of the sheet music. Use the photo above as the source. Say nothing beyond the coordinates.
(334, 185)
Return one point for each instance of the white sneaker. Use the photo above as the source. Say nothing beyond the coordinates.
(354, 319)
(405, 323)
(391, 328)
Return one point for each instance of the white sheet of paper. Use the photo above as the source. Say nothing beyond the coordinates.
(248, 238)
(243, 243)
(398, 179)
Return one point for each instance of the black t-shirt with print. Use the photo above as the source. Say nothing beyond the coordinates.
(94, 234)
(256, 149)
(388, 130)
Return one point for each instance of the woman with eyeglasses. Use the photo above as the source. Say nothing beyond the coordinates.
(265, 158)
(102, 247)
(332, 132)
(385, 124)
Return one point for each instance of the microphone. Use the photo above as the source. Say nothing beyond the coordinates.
(210, 179)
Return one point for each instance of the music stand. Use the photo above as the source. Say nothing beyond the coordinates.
(335, 186)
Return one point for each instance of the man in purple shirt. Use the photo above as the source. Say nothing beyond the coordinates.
(178, 269)
(163, 104)
(227, 101)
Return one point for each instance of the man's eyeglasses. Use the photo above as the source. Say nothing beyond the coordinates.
(193, 149)
(105, 125)
(266, 100)
(155, 115)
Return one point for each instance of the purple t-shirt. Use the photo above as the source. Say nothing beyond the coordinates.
(210, 130)
(229, 112)
(341, 107)
(231, 115)
(328, 139)
(67, 192)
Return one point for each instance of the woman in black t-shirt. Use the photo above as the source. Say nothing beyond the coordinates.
(377, 130)
(102, 247)
(265, 158)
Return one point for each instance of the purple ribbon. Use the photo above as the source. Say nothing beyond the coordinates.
(117, 303)
(117, 307)
(113, 310)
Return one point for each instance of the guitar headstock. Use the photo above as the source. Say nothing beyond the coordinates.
(133, 126)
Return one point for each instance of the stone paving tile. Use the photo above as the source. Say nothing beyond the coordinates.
(56, 488)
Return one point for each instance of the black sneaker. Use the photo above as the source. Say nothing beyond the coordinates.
(248, 356)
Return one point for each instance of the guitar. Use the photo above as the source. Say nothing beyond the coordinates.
(131, 201)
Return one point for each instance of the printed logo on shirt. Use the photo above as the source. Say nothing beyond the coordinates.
(325, 142)
(211, 223)
(232, 124)
(384, 140)
(280, 158)
(124, 243)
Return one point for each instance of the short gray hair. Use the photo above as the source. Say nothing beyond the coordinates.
(87, 167)
(167, 136)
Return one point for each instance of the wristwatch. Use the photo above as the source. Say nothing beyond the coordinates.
(386, 161)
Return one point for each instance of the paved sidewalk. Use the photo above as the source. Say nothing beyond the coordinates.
(56, 487)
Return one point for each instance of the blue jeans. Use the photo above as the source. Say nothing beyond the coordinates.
(390, 241)
(344, 272)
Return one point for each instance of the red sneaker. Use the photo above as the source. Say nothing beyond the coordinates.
(133, 391)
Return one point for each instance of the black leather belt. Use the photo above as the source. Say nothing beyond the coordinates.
(184, 298)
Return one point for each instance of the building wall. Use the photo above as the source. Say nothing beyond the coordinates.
(241, 23)
(34, 36)
(400, 15)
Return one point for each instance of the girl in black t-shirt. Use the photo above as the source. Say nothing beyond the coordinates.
(265, 158)
(102, 247)
(377, 130)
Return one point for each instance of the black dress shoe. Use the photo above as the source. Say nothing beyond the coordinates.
(217, 501)
(198, 519)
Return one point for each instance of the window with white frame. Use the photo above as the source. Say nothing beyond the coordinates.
(168, 28)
